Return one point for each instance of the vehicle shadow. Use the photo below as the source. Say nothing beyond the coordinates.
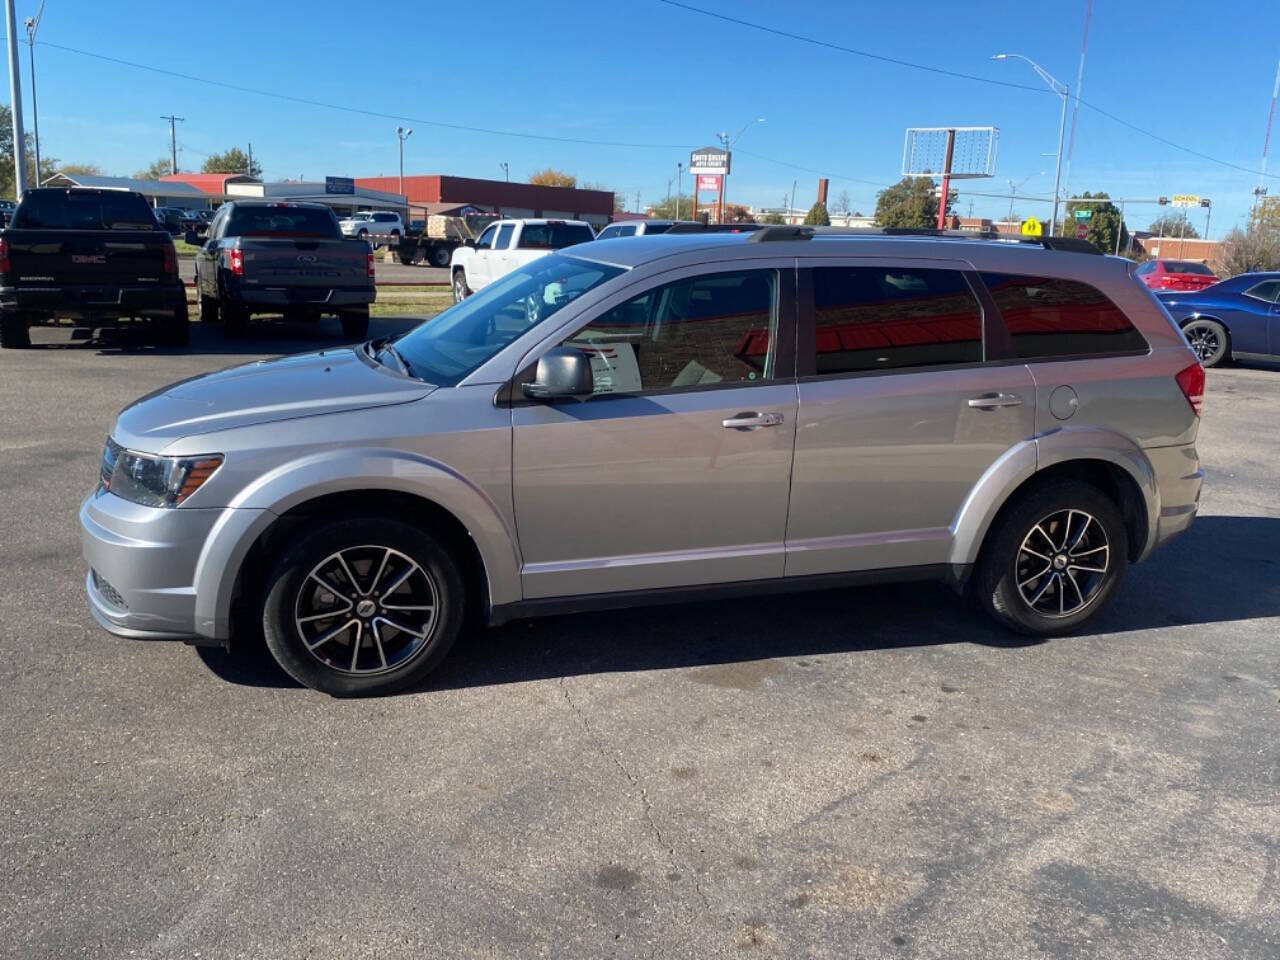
(1222, 569)
(266, 336)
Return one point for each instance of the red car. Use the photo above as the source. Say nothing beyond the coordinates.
(1176, 275)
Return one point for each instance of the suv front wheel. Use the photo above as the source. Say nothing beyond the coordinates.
(1053, 560)
(363, 606)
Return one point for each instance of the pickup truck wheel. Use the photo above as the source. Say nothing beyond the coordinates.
(460, 289)
(235, 321)
(355, 324)
(364, 605)
(440, 256)
(207, 308)
(1053, 559)
(15, 330)
(174, 331)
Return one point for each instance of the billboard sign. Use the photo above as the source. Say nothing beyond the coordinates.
(709, 181)
(711, 160)
(1186, 200)
(339, 185)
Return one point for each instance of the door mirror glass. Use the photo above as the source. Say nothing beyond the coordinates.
(562, 372)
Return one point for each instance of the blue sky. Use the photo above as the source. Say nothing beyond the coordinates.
(644, 72)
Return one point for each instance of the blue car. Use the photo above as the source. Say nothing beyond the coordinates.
(1237, 319)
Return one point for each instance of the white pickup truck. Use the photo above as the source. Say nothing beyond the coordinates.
(507, 245)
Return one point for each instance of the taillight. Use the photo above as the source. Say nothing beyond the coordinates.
(369, 263)
(236, 262)
(170, 259)
(1191, 383)
(5, 266)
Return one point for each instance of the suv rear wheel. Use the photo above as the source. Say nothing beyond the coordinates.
(15, 329)
(1053, 560)
(365, 605)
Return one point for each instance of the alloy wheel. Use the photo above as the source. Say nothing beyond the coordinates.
(1204, 341)
(1062, 563)
(366, 610)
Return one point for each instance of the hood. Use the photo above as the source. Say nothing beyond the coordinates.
(307, 385)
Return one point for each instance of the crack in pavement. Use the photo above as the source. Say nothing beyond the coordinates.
(645, 803)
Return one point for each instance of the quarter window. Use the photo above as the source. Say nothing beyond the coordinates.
(1049, 317)
(700, 331)
(878, 318)
(1267, 290)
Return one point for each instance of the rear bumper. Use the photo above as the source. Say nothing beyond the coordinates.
(1179, 479)
(276, 298)
(96, 302)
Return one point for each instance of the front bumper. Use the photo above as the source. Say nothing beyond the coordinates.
(142, 565)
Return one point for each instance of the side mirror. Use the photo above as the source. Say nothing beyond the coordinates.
(562, 372)
(192, 238)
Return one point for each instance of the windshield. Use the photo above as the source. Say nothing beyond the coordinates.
(449, 346)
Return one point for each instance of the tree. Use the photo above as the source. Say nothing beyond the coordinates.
(159, 168)
(842, 204)
(772, 218)
(737, 213)
(666, 209)
(553, 178)
(817, 216)
(48, 165)
(1104, 222)
(234, 160)
(85, 169)
(911, 202)
(1255, 248)
(1173, 225)
(618, 199)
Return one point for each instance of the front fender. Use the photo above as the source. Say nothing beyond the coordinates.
(338, 471)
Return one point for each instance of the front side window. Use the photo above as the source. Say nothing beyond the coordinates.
(885, 318)
(486, 238)
(1267, 290)
(504, 236)
(1048, 317)
(608, 232)
(701, 331)
(449, 346)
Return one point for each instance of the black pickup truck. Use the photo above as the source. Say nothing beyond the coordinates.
(96, 256)
(282, 258)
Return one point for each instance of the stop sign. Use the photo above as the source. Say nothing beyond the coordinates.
(1082, 231)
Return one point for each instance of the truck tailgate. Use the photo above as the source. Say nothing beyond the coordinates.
(287, 262)
(87, 257)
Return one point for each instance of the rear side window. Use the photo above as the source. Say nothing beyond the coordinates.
(110, 210)
(553, 236)
(1049, 317)
(656, 228)
(878, 318)
(1268, 290)
(281, 221)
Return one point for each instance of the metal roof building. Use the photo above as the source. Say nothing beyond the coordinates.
(161, 193)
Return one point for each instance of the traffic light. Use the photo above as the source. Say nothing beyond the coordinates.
(1204, 202)
(1163, 201)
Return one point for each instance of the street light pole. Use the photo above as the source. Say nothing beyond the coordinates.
(506, 170)
(1061, 90)
(402, 135)
(723, 137)
(679, 185)
(15, 98)
(33, 24)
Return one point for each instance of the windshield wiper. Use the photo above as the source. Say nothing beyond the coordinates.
(398, 357)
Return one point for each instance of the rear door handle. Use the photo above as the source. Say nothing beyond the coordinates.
(749, 421)
(992, 400)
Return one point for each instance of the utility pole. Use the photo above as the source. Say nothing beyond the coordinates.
(249, 168)
(173, 141)
(679, 185)
(792, 205)
(33, 24)
(637, 201)
(15, 98)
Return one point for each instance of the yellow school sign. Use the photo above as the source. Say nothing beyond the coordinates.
(1031, 227)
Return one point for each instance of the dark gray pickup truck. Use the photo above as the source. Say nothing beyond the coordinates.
(94, 256)
(282, 258)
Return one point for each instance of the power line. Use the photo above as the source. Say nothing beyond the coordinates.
(964, 76)
(357, 110)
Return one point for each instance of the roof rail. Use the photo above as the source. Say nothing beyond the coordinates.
(772, 234)
(695, 227)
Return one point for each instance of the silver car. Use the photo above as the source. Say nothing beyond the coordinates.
(682, 416)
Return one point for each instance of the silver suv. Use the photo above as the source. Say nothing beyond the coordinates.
(663, 417)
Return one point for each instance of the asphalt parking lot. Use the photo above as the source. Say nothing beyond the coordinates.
(863, 773)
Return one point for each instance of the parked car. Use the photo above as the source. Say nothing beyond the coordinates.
(1175, 275)
(373, 223)
(638, 228)
(690, 416)
(1235, 319)
(6, 212)
(170, 218)
(195, 220)
(507, 245)
(95, 256)
(290, 258)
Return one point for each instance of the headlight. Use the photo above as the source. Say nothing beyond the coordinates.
(155, 481)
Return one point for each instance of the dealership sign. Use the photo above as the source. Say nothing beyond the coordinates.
(709, 181)
(710, 160)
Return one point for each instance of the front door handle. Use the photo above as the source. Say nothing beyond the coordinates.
(749, 421)
(992, 400)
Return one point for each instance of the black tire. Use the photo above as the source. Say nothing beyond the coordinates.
(1005, 581)
(363, 234)
(355, 323)
(174, 331)
(207, 309)
(15, 330)
(235, 321)
(1209, 339)
(460, 289)
(406, 257)
(440, 256)
(374, 549)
